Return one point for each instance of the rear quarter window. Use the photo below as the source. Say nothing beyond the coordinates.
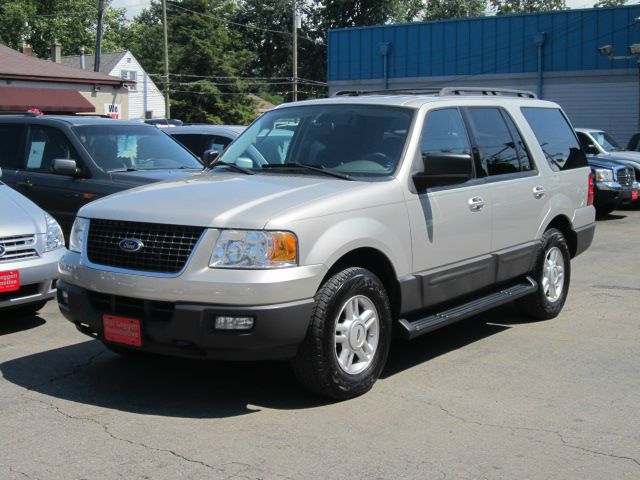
(556, 138)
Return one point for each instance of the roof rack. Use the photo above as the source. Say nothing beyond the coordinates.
(440, 91)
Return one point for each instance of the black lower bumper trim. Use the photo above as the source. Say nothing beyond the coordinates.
(189, 329)
(584, 237)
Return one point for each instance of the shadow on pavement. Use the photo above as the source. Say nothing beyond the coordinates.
(87, 373)
(16, 324)
(605, 217)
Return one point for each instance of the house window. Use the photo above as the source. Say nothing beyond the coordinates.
(130, 75)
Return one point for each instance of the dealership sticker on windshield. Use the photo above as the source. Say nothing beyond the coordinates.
(122, 330)
(10, 281)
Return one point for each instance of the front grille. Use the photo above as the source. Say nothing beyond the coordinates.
(131, 307)
(23, 291)
(19, 247)
(166, 247)
(626, 176)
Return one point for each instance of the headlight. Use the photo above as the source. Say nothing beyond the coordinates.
(77, 234)
(55, 239)
(255, 249)
(604, 175)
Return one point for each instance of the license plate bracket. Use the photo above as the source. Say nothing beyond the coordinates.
(9, 281)
(123, 330)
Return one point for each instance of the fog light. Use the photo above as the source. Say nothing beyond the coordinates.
(234, 323)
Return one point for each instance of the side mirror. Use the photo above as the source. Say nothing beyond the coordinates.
(64, 166)
(444, 169)
(210, 156)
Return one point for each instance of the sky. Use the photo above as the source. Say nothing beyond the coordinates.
(134, 7)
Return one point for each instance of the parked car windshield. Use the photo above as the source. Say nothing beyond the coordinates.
(131, 147)
(606, 141)
(353, 140)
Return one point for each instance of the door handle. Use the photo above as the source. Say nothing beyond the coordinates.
(476, 204)
(538, 192)
(25, 184)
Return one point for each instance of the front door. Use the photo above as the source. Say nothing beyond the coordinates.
(450, 226)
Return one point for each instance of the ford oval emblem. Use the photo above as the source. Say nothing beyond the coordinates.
(130, 245)
(2, 251)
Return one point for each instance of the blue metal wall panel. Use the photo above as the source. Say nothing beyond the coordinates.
(485, 45)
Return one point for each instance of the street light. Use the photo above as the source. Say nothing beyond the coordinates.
(634, 50)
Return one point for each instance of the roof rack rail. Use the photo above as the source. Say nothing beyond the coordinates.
(486, 91)
(389, 91)
(440, 91)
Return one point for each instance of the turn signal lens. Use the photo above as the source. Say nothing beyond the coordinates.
(284, 247)
(591, 193)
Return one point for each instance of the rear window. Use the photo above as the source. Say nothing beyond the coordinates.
(556, 138)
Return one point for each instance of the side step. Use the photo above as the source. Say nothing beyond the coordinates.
(420, 326)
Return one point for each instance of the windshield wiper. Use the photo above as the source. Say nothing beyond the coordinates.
(331, 173)
(232, 166)
(118, 170)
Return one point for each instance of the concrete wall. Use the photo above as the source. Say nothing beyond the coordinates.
(606, 99)
(104, 94)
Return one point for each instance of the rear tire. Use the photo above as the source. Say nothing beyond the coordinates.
(349, 335)
(553, 273)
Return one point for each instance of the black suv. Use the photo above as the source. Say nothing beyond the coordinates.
(62, 163)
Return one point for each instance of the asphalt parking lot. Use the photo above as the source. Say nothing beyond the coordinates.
(493, 397)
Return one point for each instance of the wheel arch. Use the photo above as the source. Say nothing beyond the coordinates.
(562, 223)
(377, 263)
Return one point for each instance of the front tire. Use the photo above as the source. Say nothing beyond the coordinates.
(553, 273)
(349, 335)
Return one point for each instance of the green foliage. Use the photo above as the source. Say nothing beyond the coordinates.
(504, 7)
(445, 9)
(71, 22)
(609, 3)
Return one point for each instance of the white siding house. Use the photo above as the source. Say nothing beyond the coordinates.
(145, 99)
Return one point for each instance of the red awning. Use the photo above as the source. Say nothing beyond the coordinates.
(48, 100)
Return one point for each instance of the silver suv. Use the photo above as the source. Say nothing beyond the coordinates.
(330, 224)
(31, 243)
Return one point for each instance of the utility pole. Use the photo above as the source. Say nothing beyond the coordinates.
(295, 52)
(96, 62)
(167, 112)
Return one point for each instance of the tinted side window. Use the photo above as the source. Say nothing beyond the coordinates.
(45, 145)
(192, 142)
(218, 143)
(444, 132)
(498, 154)
(526, 163)
(11, 150)
(556, 138)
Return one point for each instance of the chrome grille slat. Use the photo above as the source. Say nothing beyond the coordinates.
(166, 247)
(18, 247)
(625, 176)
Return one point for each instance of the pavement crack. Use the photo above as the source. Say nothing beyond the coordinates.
(13, 470)
(597, 452)
(68, 374)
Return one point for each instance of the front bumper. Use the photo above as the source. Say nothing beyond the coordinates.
(612, 193)
(37, 279)
(187, 329)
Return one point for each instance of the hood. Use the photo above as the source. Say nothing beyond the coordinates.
(601, 161)
(142, 177)
(18, 214)
(227, 200)
(626, 157)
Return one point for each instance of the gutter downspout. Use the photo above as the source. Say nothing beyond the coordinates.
(538, 41)
(385, 47)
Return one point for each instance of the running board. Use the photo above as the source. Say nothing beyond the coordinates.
(420, 326)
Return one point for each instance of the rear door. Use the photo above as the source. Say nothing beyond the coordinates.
(11, 151)
(518, 192)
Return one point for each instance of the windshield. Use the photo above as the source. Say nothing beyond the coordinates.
(606, 141)
(353, 140)
(132, 147)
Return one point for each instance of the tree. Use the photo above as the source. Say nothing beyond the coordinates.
(609, 3)
(205, 58)
(72, 22)
(503, 7)
(446, 9)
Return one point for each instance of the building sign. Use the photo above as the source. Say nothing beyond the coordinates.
(112, 110)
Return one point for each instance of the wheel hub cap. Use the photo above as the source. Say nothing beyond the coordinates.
(356, 334)
(553, 274)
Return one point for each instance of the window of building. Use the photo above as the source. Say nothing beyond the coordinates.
(556, 138)
(130, 75)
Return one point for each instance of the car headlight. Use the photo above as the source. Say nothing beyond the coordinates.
(255, 249)
(604, 175)
(55, 238)
(77, 234)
